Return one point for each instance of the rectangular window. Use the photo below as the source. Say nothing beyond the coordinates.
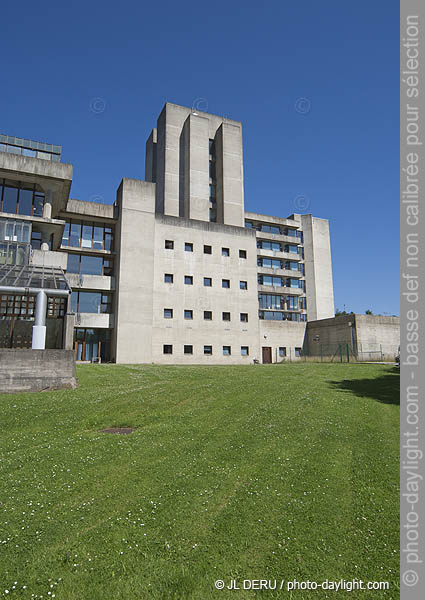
(169, 245)
(227, 350)
(244, 317)
(168, 278)
(244, 350)
(168, 313)
(282, 351)
(90, 302)
(97, 237)
(207, 315)
(226, 316)
(207, 249)
(225, 283)
(208, 350)
(297, 352)
(167, 349)
(225, 252)
(73, 263)
(249, 225)
(188, 247)
(207, 281)
(87, 234)
(188, 279)
(188, 349)
(75, 235)
(243, 285)
(188, 314)
(91, 265)
(242, 253)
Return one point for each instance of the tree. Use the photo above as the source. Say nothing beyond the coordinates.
(368, 312)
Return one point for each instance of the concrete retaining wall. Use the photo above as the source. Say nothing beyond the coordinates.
(36, 370)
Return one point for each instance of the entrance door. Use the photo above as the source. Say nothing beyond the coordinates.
(267, 355)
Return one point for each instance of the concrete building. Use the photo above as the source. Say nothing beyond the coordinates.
(176, 271)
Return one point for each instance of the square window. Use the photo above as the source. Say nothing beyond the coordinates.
(188, 279)
(208, 350)
(243, 285)
(245, 350)
(207, 315)
(282, 351)
(226, 316)
(168, 313)
(188, 314)
(242, 253)
(227, 351)
(225, 251)
(225, 283)
(169, 245)
(244, 317)
(207, 281)
(188, 349)
(168, 278)
(297, 352)
(188, 247)
(167, 349)
(207, 249)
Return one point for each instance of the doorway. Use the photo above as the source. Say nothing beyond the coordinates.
(267, 355)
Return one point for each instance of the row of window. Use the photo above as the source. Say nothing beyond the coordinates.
(277, 247)
(188, 247)
(282, 302)
(95, 236)
(24, 306)
(277, 263)
(208, 315)
(188, 280)
(276, 281)
(270, 315)
(21, 198)
(275, 229)
(283, 353)
(83, 264)
(208, 350)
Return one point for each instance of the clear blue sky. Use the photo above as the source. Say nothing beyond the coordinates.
(250, 62)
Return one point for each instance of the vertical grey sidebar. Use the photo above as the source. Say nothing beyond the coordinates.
(412, 309)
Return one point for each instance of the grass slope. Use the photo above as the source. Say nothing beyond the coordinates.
(281, 471)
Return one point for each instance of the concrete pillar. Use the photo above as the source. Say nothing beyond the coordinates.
(194, 176)
(47, 208)
(39, 328)
(68, 331)
(229, 174)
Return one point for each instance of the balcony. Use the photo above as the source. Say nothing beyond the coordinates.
(282, 272)
(273, 289)
(277, 237)
(277, 254)
(103, 283)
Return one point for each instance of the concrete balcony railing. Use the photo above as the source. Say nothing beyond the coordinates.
(94, 320)
(277, 237)
(277, 254)
(102, 283)
(284, 272)
(273, 289)
(49, 258)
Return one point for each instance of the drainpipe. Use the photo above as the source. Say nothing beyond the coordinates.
(39, 328)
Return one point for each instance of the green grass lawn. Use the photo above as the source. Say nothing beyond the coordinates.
(252, 472)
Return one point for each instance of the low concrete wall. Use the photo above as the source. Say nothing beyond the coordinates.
(36, 370)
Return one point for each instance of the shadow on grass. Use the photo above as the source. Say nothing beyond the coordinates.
(385, 389)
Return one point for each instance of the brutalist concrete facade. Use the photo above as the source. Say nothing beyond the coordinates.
(183, 274)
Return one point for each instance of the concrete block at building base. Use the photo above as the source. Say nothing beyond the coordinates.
(36, 370)
(38, 337)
